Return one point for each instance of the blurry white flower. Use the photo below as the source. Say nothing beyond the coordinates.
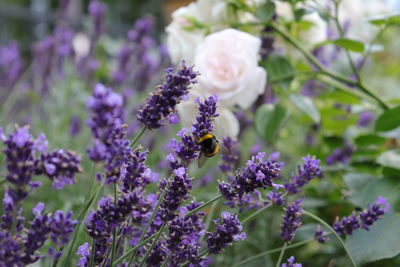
(81, 45)
(226, 124)
(182, 37)
(228, 66)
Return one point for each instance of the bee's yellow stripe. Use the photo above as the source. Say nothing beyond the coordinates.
(205, 137)
(216, 149)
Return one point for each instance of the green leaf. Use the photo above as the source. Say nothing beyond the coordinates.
(381, 242)
(351, 45)
(269, 119)
(357, 182)
(307, 105)
(388, 120)
(390, 158)
(369, 139)
(386, 20)
(266, 11)
(280, 70)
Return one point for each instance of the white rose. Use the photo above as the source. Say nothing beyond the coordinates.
(228, 66)
(226, 124)
(181, 41)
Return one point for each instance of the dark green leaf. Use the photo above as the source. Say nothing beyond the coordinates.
(381, 242)
(280, 71)
(306, 105)
(357, 182)
(351, 45)
(266, 11)
(269, 119)
(388, 120)
(390, 158)
(369, 139)
(386, 20)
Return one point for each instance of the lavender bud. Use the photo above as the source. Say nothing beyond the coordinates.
(291, 263)
(291, 220)
(320, 235)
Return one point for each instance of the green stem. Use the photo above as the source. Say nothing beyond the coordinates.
(217, 197)
(153, 214)
(114, 241)
(138, 136)
(153, 244)
(133, 250)
(209, 218)
(340, 29)
(92, 253)
(278, 263)
(254, 214)
(295, 245)
(326, 71)
(334, 232)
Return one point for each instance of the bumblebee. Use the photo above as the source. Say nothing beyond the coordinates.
(209, 147)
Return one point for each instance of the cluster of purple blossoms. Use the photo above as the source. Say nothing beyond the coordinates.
(291, 220)
(342, 155)
(20, 248)
(365, 119)
(305, 173)
(177, 191)
(162, 103)
(11, 65)
(364, 219)
(275, 198)
(320, 235)
(22, 163)
(109, 132)
(207, 112)
(228, 230)
(230, 157)
(60, 166)
(184, 235)
(136, 60)
(290, 263)
(258, 173)
(97, 11)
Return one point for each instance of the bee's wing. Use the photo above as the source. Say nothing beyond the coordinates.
(201, 160)
(222, 148)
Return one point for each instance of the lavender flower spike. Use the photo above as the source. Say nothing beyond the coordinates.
(291, 263)
(207, 113)
(320, 235)
(291, 220)
(162, 103)
(229, 230)
(305, 174)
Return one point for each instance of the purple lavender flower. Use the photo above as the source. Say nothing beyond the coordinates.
(291, 263)
(320, 235)
(342, 155)
(43, 53)
(230, 156)
(374, 212)
(61, 227)
(366, 117)
(163, 102)
(20, 161)
(60, 166)
(291, 220)
(7, 217)
(11, 65)
(75, 125)
(37, 235)
(207, 113)
(305, 174)
(10, 250)
(258, 173)
(178, 189)
(228, 230)
(185, 151)
(347, 225)
(84, 252)
(97, 10)
(135, 173)
(184, 236)
(106, 112)
(275, 198)
(109, 215)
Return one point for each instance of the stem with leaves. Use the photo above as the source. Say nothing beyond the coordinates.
(318, 219)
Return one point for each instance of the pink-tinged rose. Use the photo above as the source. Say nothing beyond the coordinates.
(228, 64)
